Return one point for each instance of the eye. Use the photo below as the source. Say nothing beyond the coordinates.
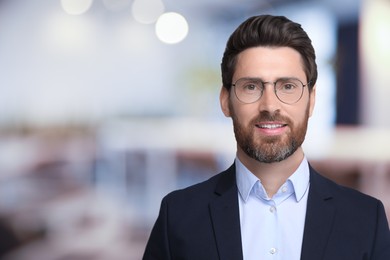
(250, 87)
(288, 87)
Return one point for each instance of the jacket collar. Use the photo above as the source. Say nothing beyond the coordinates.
(319, 217)
(225, 217)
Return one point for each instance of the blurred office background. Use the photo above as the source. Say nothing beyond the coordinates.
(108, 105)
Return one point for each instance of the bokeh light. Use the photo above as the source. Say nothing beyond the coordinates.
(375, 33)
(171, 28)
(76, 7)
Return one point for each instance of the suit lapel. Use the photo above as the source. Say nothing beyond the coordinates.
(224, 211)
(319, 218)
(225, 217)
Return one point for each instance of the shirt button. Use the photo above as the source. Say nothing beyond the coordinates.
(284, 189)
(272, 251)
(272, 209)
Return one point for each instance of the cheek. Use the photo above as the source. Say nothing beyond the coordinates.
(301, 116)
(243, 114)
(301, 110)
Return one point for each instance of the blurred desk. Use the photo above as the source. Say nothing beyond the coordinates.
(358, 157)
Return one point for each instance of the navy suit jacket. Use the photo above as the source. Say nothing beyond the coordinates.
(202, 222)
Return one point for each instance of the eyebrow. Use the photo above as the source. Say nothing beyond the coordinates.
(260, 79)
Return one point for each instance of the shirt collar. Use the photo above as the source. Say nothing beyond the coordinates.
(246, 180)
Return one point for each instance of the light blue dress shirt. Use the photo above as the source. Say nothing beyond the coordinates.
(272, 228)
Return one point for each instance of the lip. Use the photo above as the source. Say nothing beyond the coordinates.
(271, 128)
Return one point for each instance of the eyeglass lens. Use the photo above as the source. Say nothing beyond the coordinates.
(287, 90)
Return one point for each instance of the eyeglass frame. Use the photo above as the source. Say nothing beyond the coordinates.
(263, 83)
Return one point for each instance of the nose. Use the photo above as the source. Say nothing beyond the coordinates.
(269, 101)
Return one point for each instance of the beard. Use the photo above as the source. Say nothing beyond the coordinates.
(272, 148)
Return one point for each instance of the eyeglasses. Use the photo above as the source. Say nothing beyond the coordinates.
(287, 90)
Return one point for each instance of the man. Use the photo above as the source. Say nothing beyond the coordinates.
(270, 204)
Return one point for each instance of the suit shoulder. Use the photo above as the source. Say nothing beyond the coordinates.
(203, 186)
(202, 191)
(344, 193)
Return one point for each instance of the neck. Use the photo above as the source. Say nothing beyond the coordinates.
(272, 175)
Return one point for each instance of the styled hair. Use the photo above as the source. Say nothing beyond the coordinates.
(268, 31)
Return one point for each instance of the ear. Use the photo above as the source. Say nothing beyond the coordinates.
(224, 101)
(312, 100)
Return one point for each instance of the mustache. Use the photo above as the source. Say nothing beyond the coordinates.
(270, 117)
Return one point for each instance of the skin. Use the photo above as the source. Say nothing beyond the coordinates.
(269, 126)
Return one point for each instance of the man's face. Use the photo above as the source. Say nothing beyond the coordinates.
(269, 130)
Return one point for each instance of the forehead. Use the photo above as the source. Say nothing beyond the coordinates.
(269, 63)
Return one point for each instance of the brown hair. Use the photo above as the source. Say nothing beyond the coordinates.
(273, 31)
